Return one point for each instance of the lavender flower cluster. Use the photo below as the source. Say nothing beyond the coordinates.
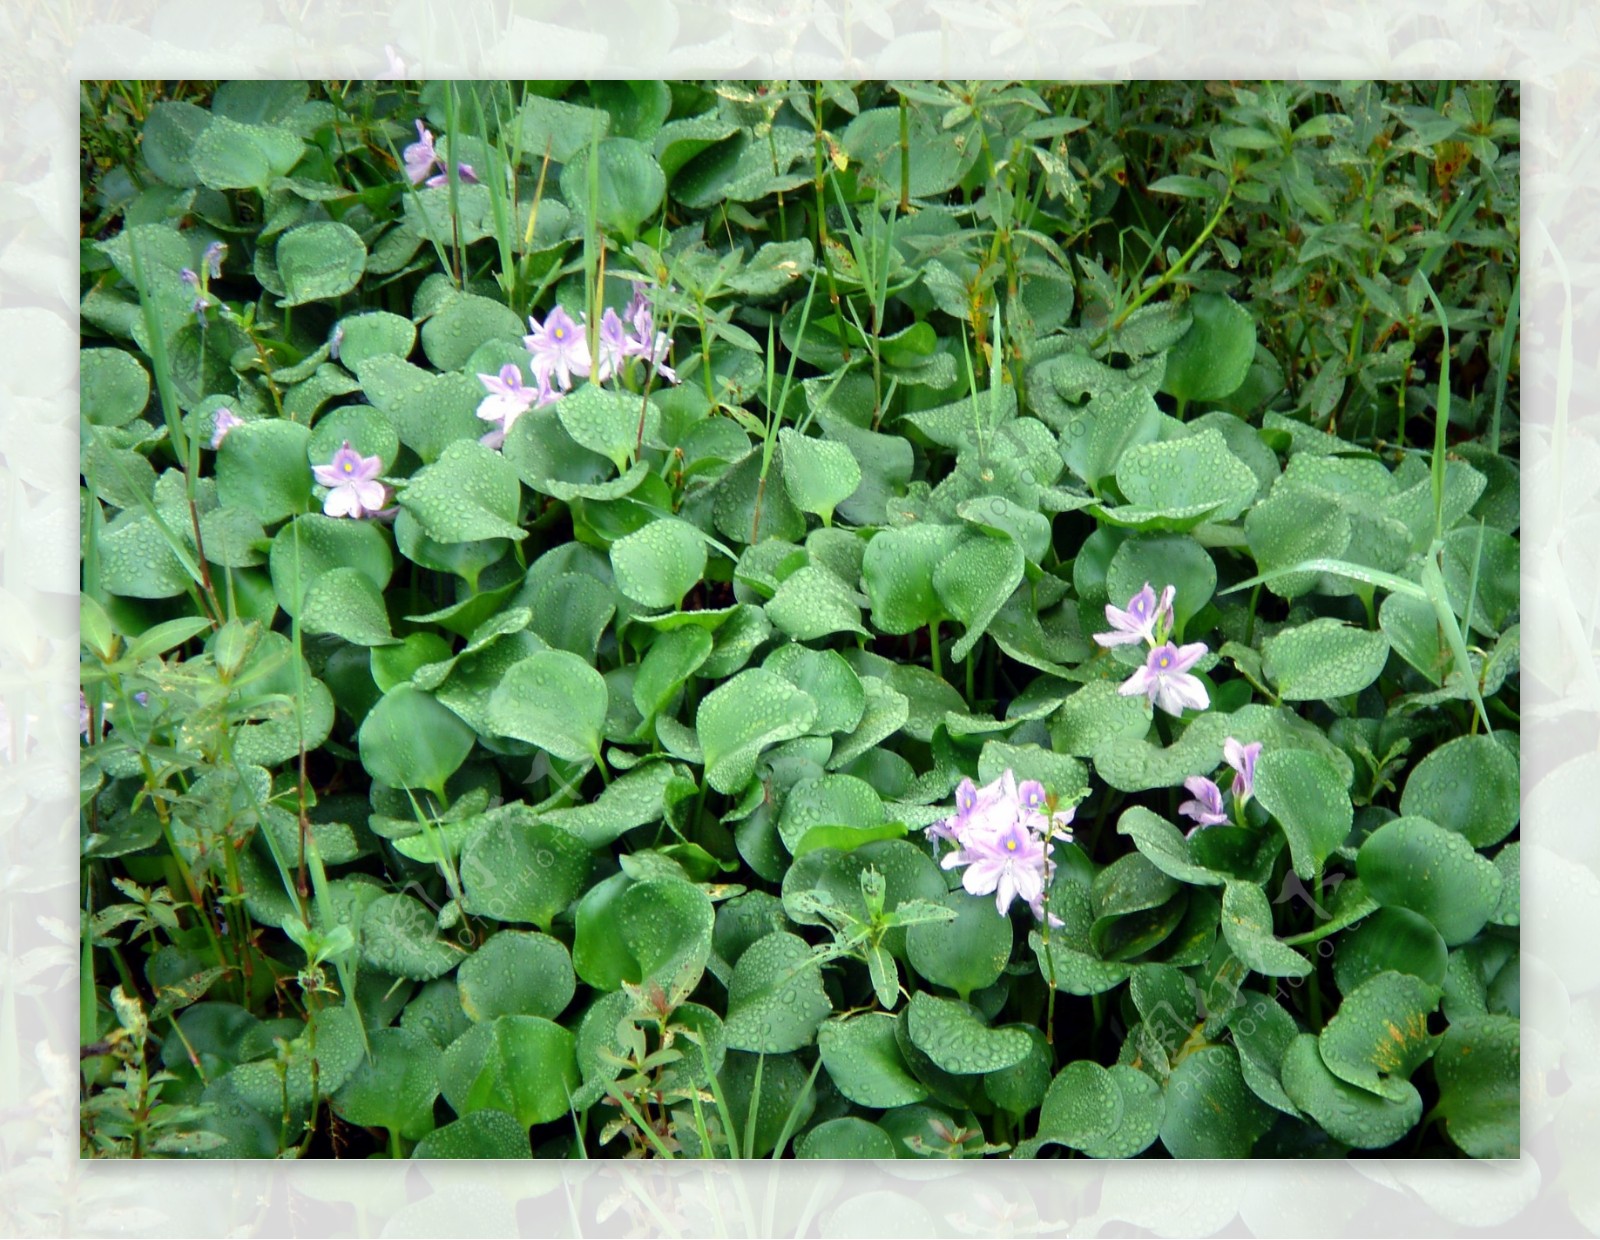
(1003, 834)
(560, 349)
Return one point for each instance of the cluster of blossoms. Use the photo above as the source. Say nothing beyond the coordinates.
(1003, 833)
(559, 349)
(1165, 677)
(421, 159)
(1206, 807)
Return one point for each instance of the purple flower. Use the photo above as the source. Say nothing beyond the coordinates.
(972, 805)
(1206, 807)
(215, 253)
(1139, 623)
(1242, 758)
(1003, 836)
(645, 342)
(464, 173)
(1166, 681)
(559, 346)
(509, 398)
(1031, 795)
(1009, 862)
(224, 422)
(614, 344)
(420, 156)
(353, 478)
(188, 276)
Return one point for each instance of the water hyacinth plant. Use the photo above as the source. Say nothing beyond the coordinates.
(728, 619)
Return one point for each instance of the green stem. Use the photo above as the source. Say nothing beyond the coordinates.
(1177, 268)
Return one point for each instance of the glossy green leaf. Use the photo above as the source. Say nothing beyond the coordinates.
(658, 564)
(1468, 785)
(1414, 864)
(1324, 659)
(747, 714)
(516, 972)
(553, 700)
(523, 1065)
(1305, 793)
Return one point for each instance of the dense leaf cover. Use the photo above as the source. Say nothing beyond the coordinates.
(879, 620)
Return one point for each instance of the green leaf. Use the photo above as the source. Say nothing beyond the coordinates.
(1095, 715)
(228, 155)
(1210, 1111)
(819, 474)
(1292, 526)
(1247, 926)
(1324, 659)
(828, 800)
(666, 924)
(863, 1059)
(1094, 437)
(1346, 1113)
(312, 545)
(1211, 359)
(394, 1086)
(1106, 1113)
(898, 570)
(951, 1035)
(627, 802)
(1390, 939)
(966, 954)
(516, 972)
(464, 325)
(1304, 792)
(471, 492)
(410, 740)
(1468, 785)
(745, 715)
(1380, 1035)
(319, 261)
(811, 602)
(375, 333)
(1193, 475)
(429, 411)
(484, 1133)
(346, 603)
(631, 185)
(261, 467)
(554, 700)
(1415, 864)
(113, 387)
(940, 156)
(1165, 847)
(1022, 1087)
(399, 936)
(658, 564)
(607, 422)
(846, 1137)
(673, 657)
(973, 581)
(1479, 1069)
(841, 696)
(137, 560)
(775, 999)
(523, 870)
(523, 1065)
